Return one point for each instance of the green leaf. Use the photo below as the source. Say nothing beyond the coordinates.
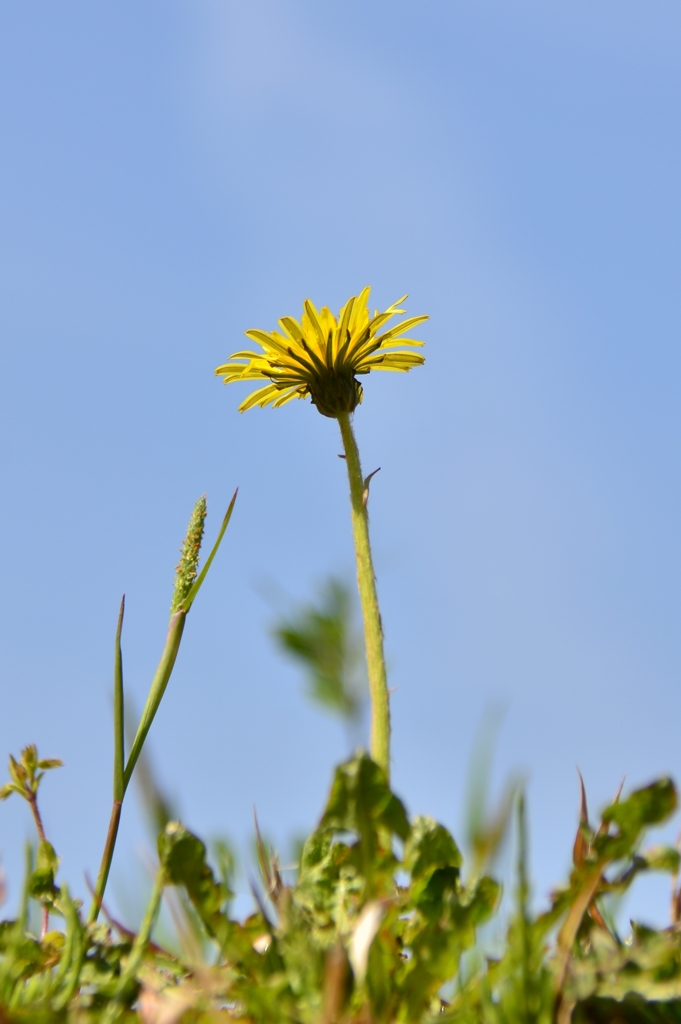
(430, 846)
(67, 977)
(361, 801)
(648, 806)
(662, 858)
(47, 864)
(183, 860)
(119, 711)
(25, 774)
(183, 857)
(644, 807)
(483, 900)
(362, 804)
(328, 884)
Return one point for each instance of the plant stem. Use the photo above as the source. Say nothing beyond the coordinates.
(107, 857)
(32, 797)
(33, 804)
(122, 771)
(156, 690)
(366, 581)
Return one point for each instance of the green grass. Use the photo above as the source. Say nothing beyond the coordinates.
(382, 919)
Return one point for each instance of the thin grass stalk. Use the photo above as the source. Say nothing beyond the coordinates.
(123, 772)
(105, 866)
(156, 691)
(167, 662)
(119, 711)
(366, 581)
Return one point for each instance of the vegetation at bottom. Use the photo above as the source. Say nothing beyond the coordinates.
(382, 923)
(381, 920)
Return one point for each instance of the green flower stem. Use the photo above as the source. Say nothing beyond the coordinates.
(156, 690)
(366, 580)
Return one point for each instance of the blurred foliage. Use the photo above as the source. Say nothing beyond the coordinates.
(324, 640)
(380, 921)
(27, 773)
(159, 809)
(378, 926)
(486, 828)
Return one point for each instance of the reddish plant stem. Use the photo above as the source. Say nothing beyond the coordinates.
(33, 804)
(100, 884)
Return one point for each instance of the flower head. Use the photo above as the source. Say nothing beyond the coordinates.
(188, 567)
(322, 355)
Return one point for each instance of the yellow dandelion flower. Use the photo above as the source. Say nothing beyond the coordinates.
(321, 356)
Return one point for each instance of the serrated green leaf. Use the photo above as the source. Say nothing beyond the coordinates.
(361, 801)
(650, 805)
(362, 804)
(430, 846)
(328, 884)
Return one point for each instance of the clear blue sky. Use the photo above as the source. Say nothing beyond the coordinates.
(174, 173)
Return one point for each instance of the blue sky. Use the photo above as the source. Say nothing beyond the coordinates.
(176, 173)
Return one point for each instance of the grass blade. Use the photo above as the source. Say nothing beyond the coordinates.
(119, 736)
